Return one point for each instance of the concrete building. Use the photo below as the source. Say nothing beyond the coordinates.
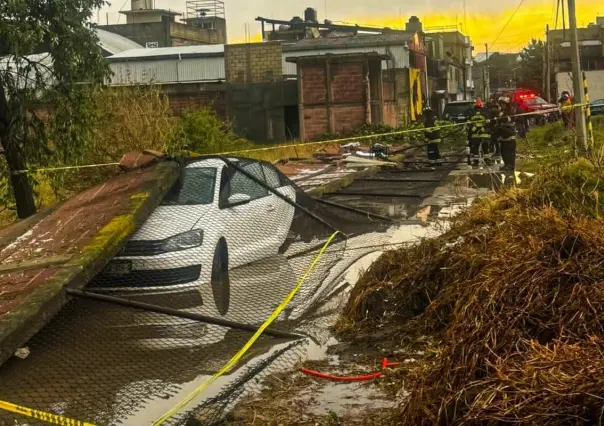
(591, 43)
(204, 23)
(452, 71)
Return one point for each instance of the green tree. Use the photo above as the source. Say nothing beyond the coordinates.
(530, 71)
(50, 64)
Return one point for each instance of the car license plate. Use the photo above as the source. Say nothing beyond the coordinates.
(119, 267)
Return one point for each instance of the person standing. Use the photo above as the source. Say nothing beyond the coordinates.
(507, 131)
(494, 116)
(565, 103)
(478, 136)
(432, 134)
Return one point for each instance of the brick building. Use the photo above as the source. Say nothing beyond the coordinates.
(339, 93)
(253, 63)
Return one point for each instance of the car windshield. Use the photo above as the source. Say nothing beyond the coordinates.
(458, 109)
(195, 186)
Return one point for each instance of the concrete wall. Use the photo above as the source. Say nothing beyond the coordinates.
(168, 34)
(595, 83)
(143, 33)
(253, 63)
(258, 110)
(188, 35)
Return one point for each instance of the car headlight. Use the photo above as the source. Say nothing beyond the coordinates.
(184, 241)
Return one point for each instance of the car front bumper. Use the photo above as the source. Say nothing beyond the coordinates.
(148, 279)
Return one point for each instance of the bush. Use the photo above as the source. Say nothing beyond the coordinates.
(203, 132)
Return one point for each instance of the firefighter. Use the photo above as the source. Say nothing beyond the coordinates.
(507, 132)
(432, 135)
(478, 136)
(565, 103)
(494, 116)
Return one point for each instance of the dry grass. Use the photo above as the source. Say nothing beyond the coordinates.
(515, 293)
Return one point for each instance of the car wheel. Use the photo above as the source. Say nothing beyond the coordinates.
(221, 286)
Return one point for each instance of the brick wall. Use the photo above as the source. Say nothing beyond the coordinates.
(313, 85)
(315, 122)
(348, 82)
(347, 118)
(183, 97)
(254, 62)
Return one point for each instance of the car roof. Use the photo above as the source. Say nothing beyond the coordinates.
(206, 162)
(219, 162)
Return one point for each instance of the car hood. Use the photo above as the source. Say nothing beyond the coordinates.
(167, 221)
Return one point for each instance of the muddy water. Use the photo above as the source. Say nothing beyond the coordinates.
(111, 365)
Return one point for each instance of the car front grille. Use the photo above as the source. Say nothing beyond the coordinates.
(148, 278)
(142, 248)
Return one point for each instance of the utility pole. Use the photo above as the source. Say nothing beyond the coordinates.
(544, 67)
(548, 67)
(579, 96)
(487, 83)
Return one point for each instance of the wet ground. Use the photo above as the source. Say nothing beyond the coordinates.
(113, 365)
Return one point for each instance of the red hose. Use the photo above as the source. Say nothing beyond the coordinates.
(342, 378)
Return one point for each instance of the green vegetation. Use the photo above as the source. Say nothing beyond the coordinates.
(45, 110)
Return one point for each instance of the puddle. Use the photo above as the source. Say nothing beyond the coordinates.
(342, 399)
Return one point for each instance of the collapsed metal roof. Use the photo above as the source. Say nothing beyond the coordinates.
(114, 43)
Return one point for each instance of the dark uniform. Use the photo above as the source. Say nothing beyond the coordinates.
(432, 135)
(506, 130)
(494, 114)
(478, 137)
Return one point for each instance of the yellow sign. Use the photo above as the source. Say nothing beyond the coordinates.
(416, 102)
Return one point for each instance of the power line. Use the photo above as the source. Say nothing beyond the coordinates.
(509, 20)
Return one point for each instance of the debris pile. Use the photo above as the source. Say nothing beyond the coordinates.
(514, 294)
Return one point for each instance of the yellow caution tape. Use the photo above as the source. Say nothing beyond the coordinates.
(233, 362)
(42, 415)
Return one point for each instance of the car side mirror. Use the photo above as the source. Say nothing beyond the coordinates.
(239, 200)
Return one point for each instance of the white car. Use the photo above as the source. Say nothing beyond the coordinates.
(214, 219)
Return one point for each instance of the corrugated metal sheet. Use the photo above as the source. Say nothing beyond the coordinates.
(175, 52)
(399, 56)
(115, 43)
(167, 71)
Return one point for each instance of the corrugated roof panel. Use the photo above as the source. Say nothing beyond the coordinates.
(398, 54)
(168, 71)
(115, 43)
(206, 49)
